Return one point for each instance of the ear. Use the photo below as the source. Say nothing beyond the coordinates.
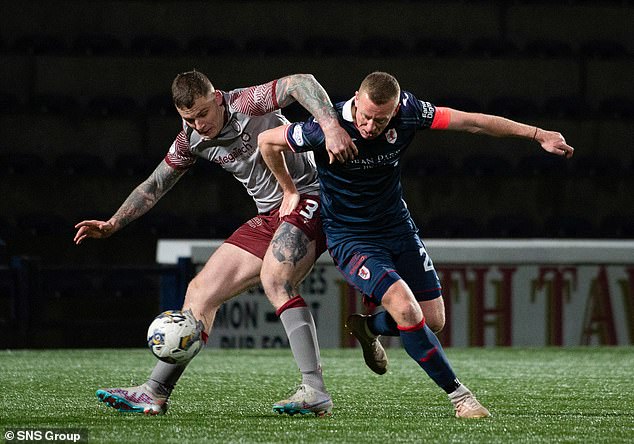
(396, 109)
(218, 97)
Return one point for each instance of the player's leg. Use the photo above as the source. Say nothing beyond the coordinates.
(415, 266)
(363, 265)
(423, 346)
(228, 272)
(287, 262)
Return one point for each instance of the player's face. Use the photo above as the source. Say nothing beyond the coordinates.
(370, 118)
(206, 116)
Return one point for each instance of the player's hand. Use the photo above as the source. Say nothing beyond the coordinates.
(339, 145)
(96, 229)
(554, 143)
(289, 203)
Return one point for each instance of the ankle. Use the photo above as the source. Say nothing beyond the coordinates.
(159, 389)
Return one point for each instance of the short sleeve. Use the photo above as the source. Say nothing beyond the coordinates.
(179, 156)
(255, 100)
(304, 136)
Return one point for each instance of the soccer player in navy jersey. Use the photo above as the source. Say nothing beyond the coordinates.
(222, 127)
(369, 231)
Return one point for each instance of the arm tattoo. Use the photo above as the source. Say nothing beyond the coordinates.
(147, 194)
(290, 244)
(308, 92)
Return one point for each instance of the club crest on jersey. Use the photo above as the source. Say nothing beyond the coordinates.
(390, 135)
(364, 273)
(297, 136)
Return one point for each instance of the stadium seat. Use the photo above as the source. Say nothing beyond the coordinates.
(80, 164)
(380, 46)
(542, 164)
(161, 105)
(130, 284)
(617, 107)
(60, 284)
(548, 48)
(567, 107)
(437, 47)
(43, 224)
(21, 163)
(268, 45)
(602, 49)
(155, 45)
(7, 231)
(97, 45)
(492, 47)
(514, 226)
(427, 165)
(323, 45)
(451, 226)
(513, 107)
(112, 105)
(9, 103)
(217, 225)
(461, 103)
(597, 166)
(166, 225)
(134, 165)
(480, 165)
(566, 226)
(617, 226)
(209, 45)
(54, 104)
(38, 44)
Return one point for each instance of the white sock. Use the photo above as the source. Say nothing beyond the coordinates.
(302, 337)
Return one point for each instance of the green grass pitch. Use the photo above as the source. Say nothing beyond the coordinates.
(539, 395)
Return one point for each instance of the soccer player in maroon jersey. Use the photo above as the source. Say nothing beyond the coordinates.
(223, 127)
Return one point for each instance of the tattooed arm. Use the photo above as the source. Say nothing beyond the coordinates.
(311, 95)
(139, 202)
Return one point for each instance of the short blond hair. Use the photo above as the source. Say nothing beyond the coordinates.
(381, 87)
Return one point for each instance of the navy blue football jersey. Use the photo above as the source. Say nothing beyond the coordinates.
(364, 196)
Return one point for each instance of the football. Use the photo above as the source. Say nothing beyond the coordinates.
(175, 336)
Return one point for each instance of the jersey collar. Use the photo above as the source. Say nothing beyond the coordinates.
(346, 111)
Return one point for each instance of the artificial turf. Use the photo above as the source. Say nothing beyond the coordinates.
(537, 395)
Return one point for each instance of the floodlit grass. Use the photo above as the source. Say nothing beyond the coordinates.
(225, 396)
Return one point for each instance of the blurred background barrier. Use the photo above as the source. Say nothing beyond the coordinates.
(497, 293)
(506, 293)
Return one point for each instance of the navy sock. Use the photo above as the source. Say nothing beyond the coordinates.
(423, 346)
(384, 324)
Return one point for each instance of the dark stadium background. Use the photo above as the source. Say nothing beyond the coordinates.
(85, 115)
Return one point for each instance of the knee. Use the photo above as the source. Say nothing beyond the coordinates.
(434, 312)
(194, 289)
(272, 282)
(404, 312)
(435, 323)
(199, 298)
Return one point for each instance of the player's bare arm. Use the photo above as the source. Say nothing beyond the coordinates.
(496, 126)
(311, 95)
(272, 145)
(139, 202)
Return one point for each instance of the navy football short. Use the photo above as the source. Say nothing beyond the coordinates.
(372, 266)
